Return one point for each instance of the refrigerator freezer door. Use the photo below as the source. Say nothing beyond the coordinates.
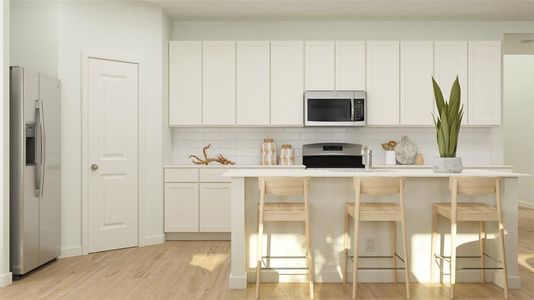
(49, 202)
(24, 205)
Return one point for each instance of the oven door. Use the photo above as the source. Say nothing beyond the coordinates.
(329, 109)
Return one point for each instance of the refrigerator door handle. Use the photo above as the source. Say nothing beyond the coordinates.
(42, 143)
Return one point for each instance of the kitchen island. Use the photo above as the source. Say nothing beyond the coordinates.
(329, 190)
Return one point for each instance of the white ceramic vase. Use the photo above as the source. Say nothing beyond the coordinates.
(390, 158)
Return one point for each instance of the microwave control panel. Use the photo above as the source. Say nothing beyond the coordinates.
(359, 110)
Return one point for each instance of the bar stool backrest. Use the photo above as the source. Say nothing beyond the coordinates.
(474, 186)
(283, 186)
(383, 186)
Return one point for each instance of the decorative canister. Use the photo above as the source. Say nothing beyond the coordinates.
(287, 155)
(390, 158)
(268, 152)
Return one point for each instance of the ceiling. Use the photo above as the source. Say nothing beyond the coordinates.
(353, 10)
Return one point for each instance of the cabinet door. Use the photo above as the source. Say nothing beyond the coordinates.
(450, 60)
(253, 88)
(484, 83)
(383, 83)
(416, 97)
(181, 207)
(215, 207)
(287, 83)
(218, 97)
(319, 65)
(185, 83)
(350, 65)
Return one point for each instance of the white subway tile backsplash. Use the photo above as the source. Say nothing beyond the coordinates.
(477, 145)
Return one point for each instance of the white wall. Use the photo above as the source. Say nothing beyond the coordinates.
(5, 274)
(34, 35)
(123, 28)
(188, 30)
(519, 121)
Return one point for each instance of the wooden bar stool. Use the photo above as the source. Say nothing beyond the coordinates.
(470, 212)
(284, 212)
(376, 211)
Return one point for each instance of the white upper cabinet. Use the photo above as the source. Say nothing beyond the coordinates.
(185, 83)
(383, 83)
(485, 90)
(416, 97)
(450, 60)
(350, 65)
(287, 83)
(218, 65)
(319, 65)
(253, 88)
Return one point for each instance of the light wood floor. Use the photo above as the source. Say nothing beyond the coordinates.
(199, 270)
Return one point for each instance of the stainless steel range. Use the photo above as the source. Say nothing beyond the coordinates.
(333, 155)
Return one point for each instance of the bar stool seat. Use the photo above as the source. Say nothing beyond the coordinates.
(467, 211)
(375, 211)
(284, 211)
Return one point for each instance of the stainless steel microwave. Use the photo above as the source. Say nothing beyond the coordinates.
(335, 108)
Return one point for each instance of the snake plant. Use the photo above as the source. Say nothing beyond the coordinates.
(449, 120)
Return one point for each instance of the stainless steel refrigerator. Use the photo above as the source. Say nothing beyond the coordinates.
(35, 169)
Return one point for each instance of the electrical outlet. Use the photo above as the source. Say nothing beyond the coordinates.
(370, 245)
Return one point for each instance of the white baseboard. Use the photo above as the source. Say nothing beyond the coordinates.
(71, 251)
(6, 279)
(514, 282)
(526, 204)
(198, 236)
(238, 282)
(152, 240)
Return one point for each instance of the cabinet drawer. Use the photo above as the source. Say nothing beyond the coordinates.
(214, 175)
(181, 175)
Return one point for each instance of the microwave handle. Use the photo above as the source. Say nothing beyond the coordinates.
(352, 109)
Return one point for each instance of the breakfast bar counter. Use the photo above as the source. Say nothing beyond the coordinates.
(329, 190)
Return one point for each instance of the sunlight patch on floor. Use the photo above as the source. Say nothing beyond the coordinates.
(208, 262)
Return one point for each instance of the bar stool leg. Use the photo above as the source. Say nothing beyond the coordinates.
(355, 244)
(346, 246)
(394, 249)
(435, 221)
(501, 235)
(309, 259)
(453, 258)
(404, 242)
(259, 252)
(482, 239)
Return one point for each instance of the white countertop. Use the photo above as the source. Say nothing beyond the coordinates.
(430, 167)
(232, 167)
(414, 173)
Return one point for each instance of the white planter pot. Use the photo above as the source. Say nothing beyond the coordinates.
(447, 165)
(390, 158)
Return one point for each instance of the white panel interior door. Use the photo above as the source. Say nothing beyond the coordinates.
(350, 65)
(450, 60)
(319, 65)
(253, 83)
(383, 83)
(185, 83)
(113, 154)
(287, 83)
(218, 73)
(417, 68)
(485, 85)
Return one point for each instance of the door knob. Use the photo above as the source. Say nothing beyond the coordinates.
(94, 167)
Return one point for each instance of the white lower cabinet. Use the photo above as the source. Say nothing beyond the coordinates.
(196, 200)
(215, 207)
(181, 207)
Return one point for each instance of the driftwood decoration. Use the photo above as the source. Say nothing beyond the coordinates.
(220, 159)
